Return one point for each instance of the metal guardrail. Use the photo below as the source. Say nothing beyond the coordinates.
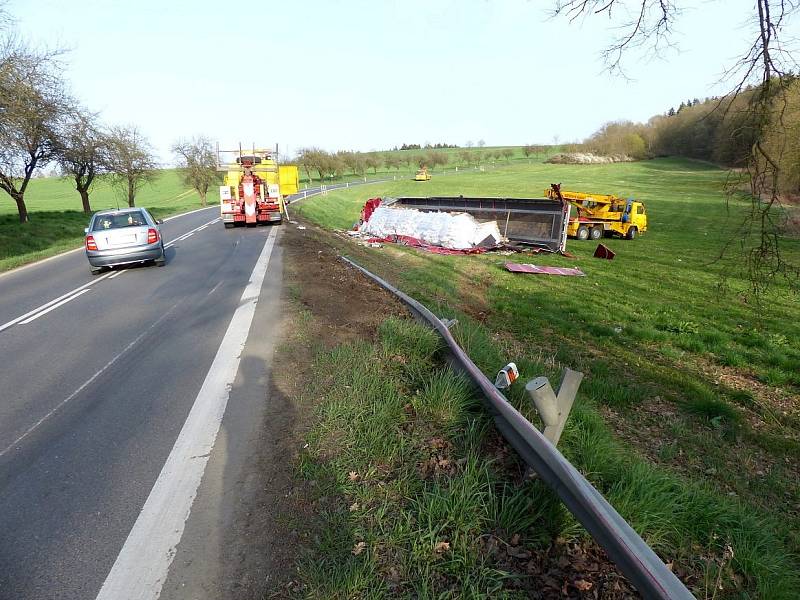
(625, 547)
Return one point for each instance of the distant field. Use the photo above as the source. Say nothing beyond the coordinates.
(689, 416)
(57, 221)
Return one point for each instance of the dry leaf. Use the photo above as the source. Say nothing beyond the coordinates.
(354, 507)
(583, 585)
(359, 548)
(441, 547)
(515, 539)
(352, 475)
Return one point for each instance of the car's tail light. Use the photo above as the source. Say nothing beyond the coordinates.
(152, 236)
(90, 243)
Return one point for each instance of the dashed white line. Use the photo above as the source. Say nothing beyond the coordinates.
(88, 382)
(117, 274)
(180, 238)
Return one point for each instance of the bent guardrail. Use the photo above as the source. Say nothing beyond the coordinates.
(624, 546)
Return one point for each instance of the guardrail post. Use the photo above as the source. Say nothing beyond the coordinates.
(554, 410)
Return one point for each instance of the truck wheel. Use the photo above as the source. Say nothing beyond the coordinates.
(631, 233)
(583, 233)
(596, 233)
(229, 225)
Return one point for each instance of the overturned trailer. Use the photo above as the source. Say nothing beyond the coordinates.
(536, 221)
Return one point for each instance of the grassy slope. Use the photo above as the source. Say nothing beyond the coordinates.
(57, 221)
(678, 367)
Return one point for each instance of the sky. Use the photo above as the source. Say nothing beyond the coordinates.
(369, 75)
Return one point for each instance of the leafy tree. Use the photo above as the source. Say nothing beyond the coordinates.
(197, 162)
(372, 162)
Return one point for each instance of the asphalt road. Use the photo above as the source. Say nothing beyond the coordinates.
(102, 379)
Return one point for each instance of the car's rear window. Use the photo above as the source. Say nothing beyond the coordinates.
(117, 221)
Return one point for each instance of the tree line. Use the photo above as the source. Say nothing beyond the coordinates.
(722, 130)
(320, 164)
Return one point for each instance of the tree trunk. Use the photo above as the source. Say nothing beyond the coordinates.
(202, 198)
(87, 209)
(131, 194)
(19, 198)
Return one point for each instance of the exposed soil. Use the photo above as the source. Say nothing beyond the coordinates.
(326, 304)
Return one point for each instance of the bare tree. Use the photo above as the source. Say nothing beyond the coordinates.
(197, 162)
(130, 161)
(83, 153)
(33, 104)
(766, 64)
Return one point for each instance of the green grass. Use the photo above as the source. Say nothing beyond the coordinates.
(389, 411)
(700, 388)
(57, 221)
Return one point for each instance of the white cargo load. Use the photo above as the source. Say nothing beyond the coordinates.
(456, 231)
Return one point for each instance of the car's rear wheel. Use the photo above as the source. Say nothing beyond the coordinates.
(95, 270)
(229, 225)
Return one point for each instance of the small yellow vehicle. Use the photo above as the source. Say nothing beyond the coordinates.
(422, 175)
(601, 215)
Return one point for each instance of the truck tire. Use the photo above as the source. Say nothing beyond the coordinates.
(596, 233)
(583, 233)
(631, 235)
(229, 225)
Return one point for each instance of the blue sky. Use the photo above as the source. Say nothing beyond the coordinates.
(362, 75)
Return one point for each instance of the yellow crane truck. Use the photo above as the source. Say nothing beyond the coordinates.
(254, 186)
(601, 215)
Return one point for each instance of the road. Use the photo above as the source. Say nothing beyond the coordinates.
(127, 400)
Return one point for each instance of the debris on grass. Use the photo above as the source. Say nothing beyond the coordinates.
(538, 270)
(603, 251)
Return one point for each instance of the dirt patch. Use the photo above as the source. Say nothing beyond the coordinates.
(325, 303)
(346, 304)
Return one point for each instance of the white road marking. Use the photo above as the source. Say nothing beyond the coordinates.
(55, 306)
(189, 233)
(81, 247)
(142, 565)
(24, 320)
(43, 306)
(90, 380)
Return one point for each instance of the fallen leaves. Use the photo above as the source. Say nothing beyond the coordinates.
(441, 547)
(358, 548)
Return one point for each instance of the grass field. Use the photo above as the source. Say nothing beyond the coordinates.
(689, 416)
(57, 221)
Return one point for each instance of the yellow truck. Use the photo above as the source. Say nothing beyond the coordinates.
(422, 175)
(593, 216)
(254, 186)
